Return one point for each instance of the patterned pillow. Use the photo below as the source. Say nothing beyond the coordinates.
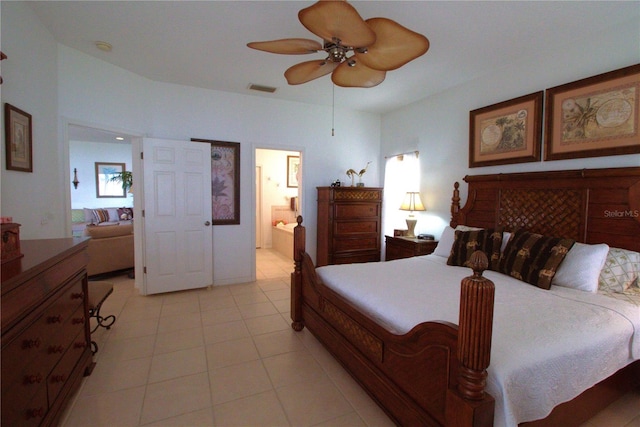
(621, 270)
(100, 215)
(127, 212)
(534, 258)
(487, 240)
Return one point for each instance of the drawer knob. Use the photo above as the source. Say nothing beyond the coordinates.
(77, 320)
(56, 349)
(54, 319)
(27, 344)
(77, 295)
(34, 413)
(79, 344)
(58, 378)
(33, 379)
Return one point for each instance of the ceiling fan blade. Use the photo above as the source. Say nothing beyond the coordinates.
(395, 45)
(331, 18)
(288, 46)
(309, 70)
(358, 75)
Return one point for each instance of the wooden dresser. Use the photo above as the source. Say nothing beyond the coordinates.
(407, 247)
(349, 224)
(45, 330)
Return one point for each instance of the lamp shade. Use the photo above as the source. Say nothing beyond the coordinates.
(412, 202)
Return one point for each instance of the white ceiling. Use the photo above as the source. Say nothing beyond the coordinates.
(203, 43)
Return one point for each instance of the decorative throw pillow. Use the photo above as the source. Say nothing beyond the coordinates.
(621, 270)
(487, 240)
(581, 267)
(534, 258)
(125, 213)
(100, 215)
(113, 214)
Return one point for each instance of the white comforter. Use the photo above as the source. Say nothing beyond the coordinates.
(548, 345)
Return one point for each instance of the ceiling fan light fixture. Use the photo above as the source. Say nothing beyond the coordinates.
(378, 45)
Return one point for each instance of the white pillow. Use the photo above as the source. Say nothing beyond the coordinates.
(581, 267)
(445, 243)
(621, 270)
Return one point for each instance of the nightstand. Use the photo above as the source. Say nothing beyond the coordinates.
(407, 247)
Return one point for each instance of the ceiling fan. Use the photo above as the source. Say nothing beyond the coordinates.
(359, 52)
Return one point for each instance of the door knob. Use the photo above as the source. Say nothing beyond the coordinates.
(207, 223)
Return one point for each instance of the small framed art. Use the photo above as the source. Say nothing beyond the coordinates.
(107, 184)
(18, 139)
(596, 116)
(507, 132)
(293, 164)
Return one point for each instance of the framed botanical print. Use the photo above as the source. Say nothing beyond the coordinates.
(293, 165)
(225, 181)
(507, 132)
(18, 139)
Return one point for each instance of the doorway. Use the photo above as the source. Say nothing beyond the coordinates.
(87, 146)
(278, 191)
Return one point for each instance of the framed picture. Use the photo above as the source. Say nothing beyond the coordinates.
(225, 181)
(596, 116)
(18, 139)
(293, 166)
(507, 132)
(107, 182)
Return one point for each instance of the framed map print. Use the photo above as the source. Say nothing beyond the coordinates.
(596, 116)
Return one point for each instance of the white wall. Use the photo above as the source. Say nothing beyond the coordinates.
(439, 125)
(59, 85)
(34, 200)
(82, 156)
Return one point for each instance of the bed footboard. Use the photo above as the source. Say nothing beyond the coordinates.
(433, 375)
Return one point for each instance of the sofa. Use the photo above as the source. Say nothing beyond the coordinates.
(110, 248)
(81, 218)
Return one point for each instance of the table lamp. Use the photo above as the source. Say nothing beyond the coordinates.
(412, 203)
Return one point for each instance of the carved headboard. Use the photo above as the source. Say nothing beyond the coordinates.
(588, 205)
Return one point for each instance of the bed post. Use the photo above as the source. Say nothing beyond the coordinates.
(455, 205)
(469, 405)
(299, 242)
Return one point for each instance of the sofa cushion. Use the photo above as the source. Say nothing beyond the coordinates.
(97, 232)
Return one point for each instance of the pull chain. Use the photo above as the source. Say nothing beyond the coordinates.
(333, 108)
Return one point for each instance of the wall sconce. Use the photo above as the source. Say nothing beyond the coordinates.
(412, 203)
(75, 181)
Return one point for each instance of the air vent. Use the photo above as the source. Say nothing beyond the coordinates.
(262, 88)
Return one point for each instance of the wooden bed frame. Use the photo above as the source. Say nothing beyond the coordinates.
(435, 374)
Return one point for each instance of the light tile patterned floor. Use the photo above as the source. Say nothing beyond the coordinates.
(227, 356)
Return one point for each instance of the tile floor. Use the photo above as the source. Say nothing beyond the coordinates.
(227, 356)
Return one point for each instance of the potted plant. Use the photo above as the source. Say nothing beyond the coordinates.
(124, 177)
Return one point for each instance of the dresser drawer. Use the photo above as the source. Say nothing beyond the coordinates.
(62, 371)
(357, 244)
(28, 358)
(356, 227)
(356, 210)
(19, 410)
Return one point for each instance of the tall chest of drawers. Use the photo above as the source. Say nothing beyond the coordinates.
(349, 225)
(45, 330)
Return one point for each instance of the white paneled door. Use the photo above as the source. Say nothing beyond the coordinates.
(177, 215)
